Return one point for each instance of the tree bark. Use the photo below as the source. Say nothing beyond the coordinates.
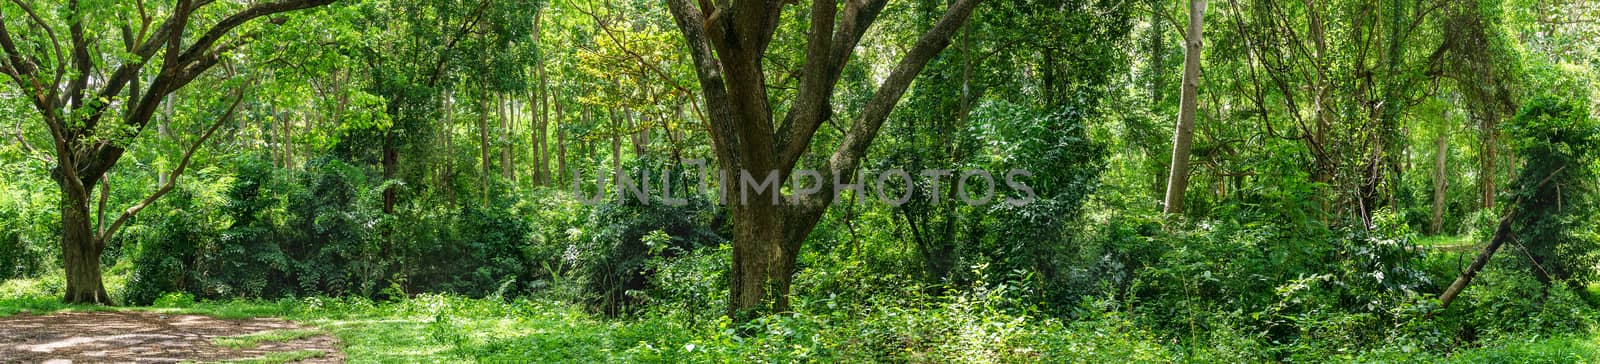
(81, 249)
(1183, 138)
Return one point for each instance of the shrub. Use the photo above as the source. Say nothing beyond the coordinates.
(167, 253)
(618, 241)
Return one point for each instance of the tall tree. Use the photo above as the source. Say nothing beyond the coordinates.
(728, 41)
(68, 84)
(1183, 139)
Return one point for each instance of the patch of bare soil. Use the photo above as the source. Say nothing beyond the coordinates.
(143, 337)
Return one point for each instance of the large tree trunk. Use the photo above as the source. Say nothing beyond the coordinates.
(1183, 138)
(81, 248)
(761, 267)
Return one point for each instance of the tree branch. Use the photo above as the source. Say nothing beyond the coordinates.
(80, 58)
(210, 37)
(21, 68)
(1501, 234)
(55, 43)
(178, 71)
(824, 65)
(848, 155)
(810, 105)
(438, 66)
(172, 178)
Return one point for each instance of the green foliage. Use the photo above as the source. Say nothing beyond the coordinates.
(29, 226)
(1557, 140)
(165, 261)
(279, 239)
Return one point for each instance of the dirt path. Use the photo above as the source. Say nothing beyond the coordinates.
(144, 337)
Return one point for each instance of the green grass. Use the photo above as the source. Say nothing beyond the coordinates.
(449, 329)
(1561, 349)
(283, 357)
(1442, 241)
(252, 340)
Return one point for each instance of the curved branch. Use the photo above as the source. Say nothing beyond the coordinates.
(172, 178)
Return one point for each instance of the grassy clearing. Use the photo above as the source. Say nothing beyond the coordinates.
(256, 339)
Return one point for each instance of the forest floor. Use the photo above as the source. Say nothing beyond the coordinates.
(151, 337)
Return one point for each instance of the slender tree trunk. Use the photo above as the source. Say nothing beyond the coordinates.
(1183, 138)
(1323, 166)
(541, 111)
(288, 142)
(540, 129)
(507, 111)
(640, 137)
(1486, 170)
(449, 130)
(164, 129)
(1501, 235)
(1155, 70)
(1440, 183)
(483, 146)
(542, 152)
(561, 145)
(588, 143)
(616, 150)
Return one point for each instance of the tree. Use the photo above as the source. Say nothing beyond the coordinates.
(1183, 139)
(60, 89)
(728, 41)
